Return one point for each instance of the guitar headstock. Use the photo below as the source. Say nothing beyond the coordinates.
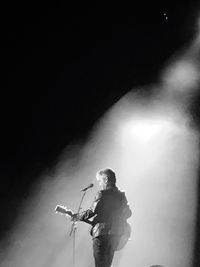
(63, 210)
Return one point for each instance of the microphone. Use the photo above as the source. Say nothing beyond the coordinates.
(86, 188)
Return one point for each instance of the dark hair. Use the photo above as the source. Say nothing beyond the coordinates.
(110, 174)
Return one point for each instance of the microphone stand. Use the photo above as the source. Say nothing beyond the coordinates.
(74, 227)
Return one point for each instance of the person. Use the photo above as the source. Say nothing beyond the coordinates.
(109, 212)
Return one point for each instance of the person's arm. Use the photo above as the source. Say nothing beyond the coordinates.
(91, 212)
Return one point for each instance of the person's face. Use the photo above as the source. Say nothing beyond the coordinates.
(102, 181)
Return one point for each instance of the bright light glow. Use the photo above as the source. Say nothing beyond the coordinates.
(144, 130)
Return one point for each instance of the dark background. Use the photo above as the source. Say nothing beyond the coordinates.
(63, 66)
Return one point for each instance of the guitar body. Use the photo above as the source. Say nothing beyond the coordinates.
(124, 238)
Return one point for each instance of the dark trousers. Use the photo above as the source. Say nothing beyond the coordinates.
(103, 250)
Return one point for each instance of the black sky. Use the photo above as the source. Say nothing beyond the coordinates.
(63, 66)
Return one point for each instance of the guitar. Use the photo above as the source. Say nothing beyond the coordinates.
(63, 210)
(123, 239)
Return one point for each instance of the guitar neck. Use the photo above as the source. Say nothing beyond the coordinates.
(64, 211)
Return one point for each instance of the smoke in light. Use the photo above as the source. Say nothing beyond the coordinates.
(182, 75)
(144, 130)
(158, 169)
(154, 150)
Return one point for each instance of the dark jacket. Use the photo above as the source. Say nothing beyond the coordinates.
(108, 212)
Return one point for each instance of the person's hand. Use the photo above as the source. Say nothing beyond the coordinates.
(74, 217)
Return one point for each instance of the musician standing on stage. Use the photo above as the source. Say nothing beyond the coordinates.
(109, 213)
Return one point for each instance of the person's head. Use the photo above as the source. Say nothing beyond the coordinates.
(106, 178)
